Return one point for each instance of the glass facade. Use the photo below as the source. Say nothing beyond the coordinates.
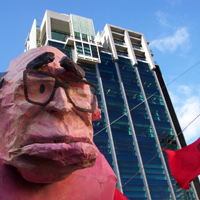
(86, 49)
(122, 136)
(68, 50)
(161, 121)
(56, 35)
(94, 51)
(143, 129)
(79, 48)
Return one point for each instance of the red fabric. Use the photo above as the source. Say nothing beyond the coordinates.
(118, 195)
(185, 163)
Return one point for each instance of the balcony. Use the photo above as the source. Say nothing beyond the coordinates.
(151, 52)
(140, 58)
(118, 36)
(86, 59)
(69, 40)
(136, 47)
(135, 41)
(61, 36)
(120, 53)
(119, 42)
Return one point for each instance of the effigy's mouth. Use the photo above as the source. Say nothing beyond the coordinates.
(78, 153)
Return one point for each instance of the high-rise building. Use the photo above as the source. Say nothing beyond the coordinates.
(138, 118)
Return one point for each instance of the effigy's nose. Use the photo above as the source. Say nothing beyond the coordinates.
(60, 102)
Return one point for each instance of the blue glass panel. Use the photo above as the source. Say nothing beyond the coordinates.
(94, 51)
(56, 35)
(77, 35)
(79, 48)
(140, 118)
(84, 37)
(162, 126)
(65, 49)
(122, 137)
(86, 49)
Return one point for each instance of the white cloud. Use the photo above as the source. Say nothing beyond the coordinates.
(171, 43)
(162, 18)
(187, 105)
(184, 89)
(174, 2)
(188, 112)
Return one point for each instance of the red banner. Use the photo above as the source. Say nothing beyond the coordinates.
(119, 196)
(185, 163)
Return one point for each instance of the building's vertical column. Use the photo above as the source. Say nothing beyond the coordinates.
(72, 26)
(147, 52)
(130, 48)
(133, 134)
(156, 137)
(48, 26)
(112, 147)
(110, 41)
(194, 190)
(172, 125)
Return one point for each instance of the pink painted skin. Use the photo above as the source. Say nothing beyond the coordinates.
(48, 144)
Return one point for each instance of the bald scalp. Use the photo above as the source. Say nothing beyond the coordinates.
(18, 65)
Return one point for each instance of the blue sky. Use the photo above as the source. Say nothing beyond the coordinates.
(171, 27)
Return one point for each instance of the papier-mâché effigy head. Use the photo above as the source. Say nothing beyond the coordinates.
(46, 116)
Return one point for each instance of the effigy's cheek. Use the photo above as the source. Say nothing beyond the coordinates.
(85, 117)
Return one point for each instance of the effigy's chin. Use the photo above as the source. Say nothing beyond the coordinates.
(48, 163)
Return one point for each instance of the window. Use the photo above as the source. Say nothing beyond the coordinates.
(56, 35)
(140, 58)
(84, 37)
(136, 46)
(119, 42)
(77, 35)
(79, 48)
(87, 49)
(94, 51)
(120, 53)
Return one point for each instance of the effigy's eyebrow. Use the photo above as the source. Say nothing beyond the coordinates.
(65, 62)
(41, 60)
(70, 66)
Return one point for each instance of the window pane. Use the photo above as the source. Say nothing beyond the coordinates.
(87, 49)
(84, 37)
(79, 48)
(94, 51)
(77, 35)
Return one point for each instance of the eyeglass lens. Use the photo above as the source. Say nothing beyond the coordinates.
(81, 94)
(41, 86)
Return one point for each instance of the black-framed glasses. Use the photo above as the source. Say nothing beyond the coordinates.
(40, 87)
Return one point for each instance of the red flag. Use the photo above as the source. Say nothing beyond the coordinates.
(185, 163)
(118, 195)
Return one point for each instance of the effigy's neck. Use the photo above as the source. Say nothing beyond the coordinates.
(95, 183)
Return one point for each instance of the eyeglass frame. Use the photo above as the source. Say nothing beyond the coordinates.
(57, 84)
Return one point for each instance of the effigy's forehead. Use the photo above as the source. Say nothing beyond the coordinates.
(18, 65)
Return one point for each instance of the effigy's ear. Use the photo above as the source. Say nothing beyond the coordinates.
(96, 115)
